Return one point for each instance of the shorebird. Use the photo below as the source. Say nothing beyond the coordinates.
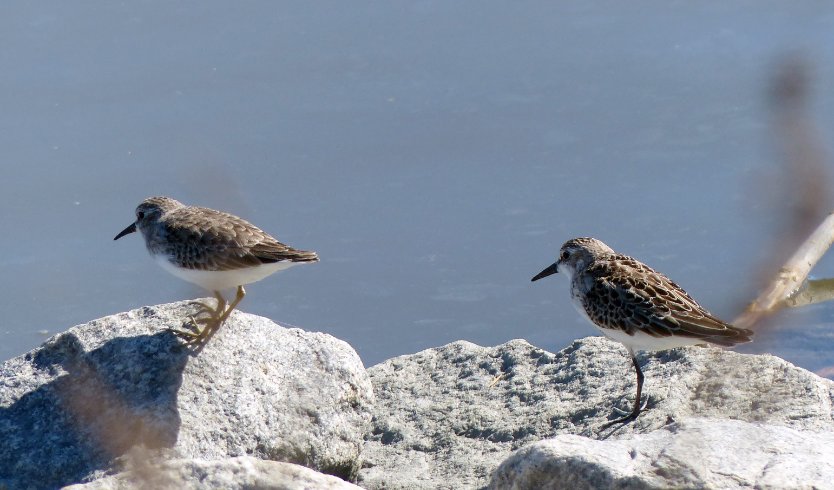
(635, 305)
(212, 249)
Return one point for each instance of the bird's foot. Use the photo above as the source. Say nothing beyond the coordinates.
(625, 418)
(620, 421)
(196, 332)
(625, 413)
(198, 328)
(205, 308)
(193, 329)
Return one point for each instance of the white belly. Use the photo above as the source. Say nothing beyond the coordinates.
(641, 341)
(219, 280)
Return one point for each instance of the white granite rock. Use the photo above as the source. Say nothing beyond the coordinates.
(86, 403)
(88, 395)
(439, 424)
(241, 473)
(695, 453)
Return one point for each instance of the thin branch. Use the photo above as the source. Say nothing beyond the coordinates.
(791, 276)
(813, 291)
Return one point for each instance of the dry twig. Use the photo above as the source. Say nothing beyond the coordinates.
(789, 281)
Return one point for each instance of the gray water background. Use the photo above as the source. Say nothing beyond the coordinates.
(435, 154)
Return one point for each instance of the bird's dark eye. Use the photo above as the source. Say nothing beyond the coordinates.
(564, 255)
(140, 215)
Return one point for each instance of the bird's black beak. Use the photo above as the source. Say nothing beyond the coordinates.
(127, 231)
(552, 269)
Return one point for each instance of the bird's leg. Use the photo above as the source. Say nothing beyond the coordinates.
(206, 308)
(200, 328)
(637, 406)
(238, 297)
(194, 321)
(626, 416)
(619, 411)
(211, 324)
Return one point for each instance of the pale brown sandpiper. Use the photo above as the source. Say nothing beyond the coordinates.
(212, 249)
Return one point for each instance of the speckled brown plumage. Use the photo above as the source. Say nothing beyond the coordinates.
(621, 293)
(632, 303)
(206, 239)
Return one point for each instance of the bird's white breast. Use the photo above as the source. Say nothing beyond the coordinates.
(220, 280)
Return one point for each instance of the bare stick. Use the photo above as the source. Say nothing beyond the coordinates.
(791, 276)
(813, 291)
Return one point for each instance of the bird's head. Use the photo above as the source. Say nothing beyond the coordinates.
(576, 255)
(149, 212)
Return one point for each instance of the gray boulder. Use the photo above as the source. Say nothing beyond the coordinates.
(73, 406)
(241, 473)
(695, 453)
(447, 417)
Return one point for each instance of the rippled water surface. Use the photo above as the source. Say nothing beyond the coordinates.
(435, 154)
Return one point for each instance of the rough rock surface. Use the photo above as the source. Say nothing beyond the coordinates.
(696, 453)
(439, 424)
(241, 473)
(84, 398)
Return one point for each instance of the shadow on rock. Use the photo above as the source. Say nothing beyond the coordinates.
(90, 408)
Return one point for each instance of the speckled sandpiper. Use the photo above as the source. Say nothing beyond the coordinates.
(635, 305)
(212, 249)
